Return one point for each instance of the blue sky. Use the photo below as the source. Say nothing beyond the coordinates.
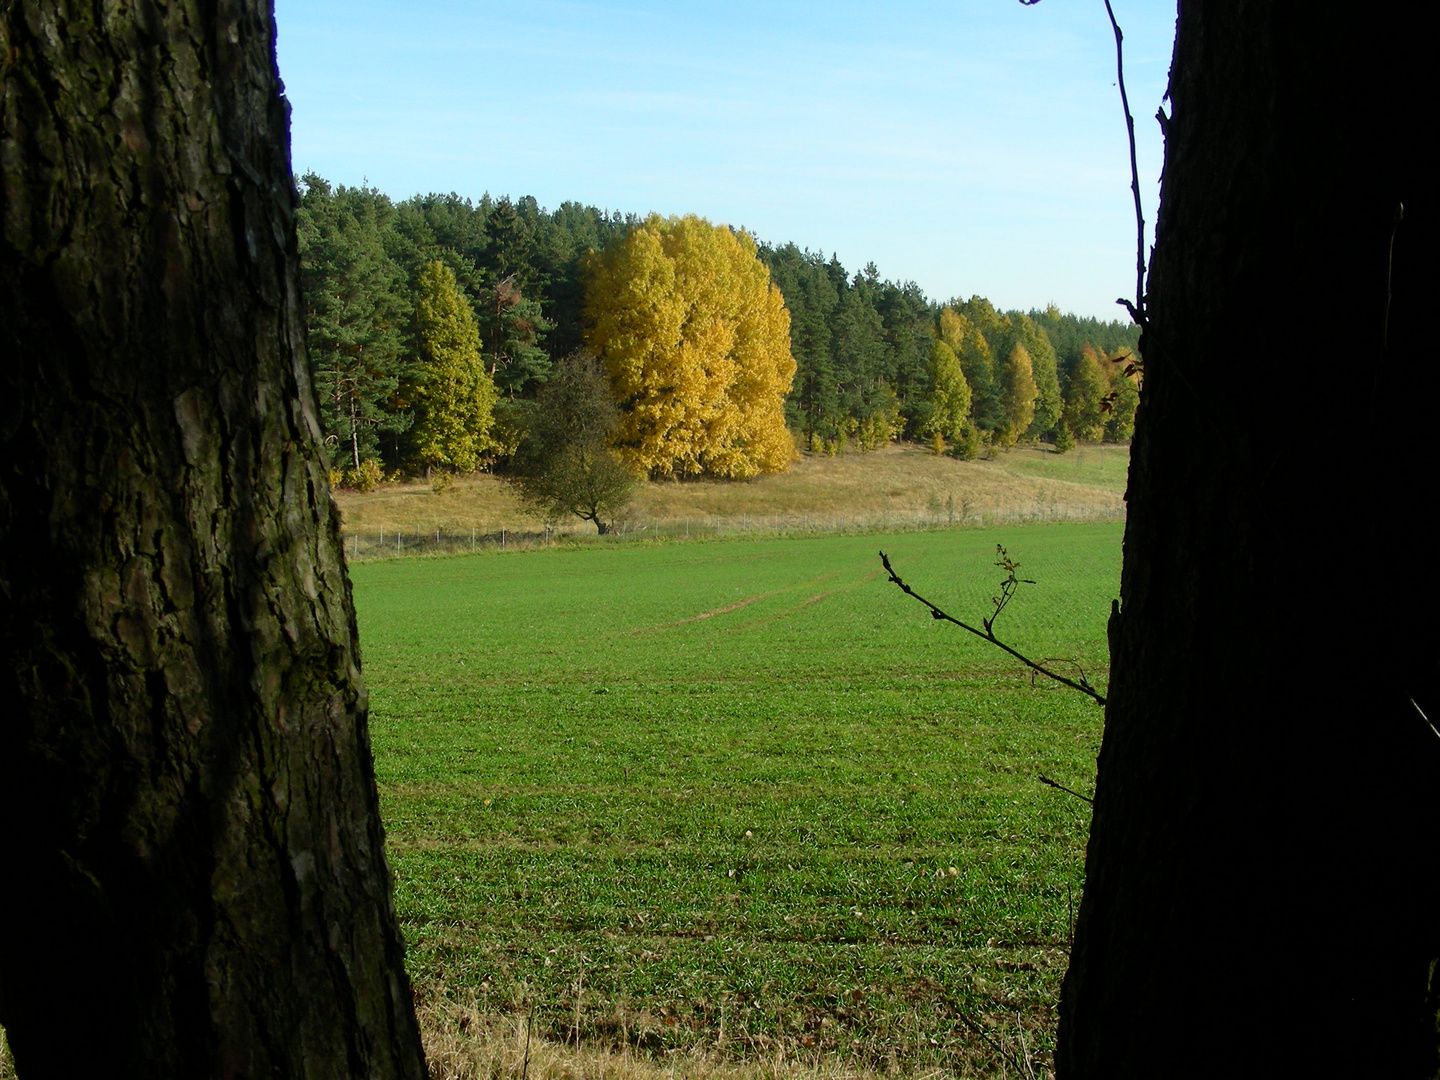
(975, 146)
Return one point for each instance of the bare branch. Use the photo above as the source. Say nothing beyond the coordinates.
(1046, 780)
(988, 634)
(1137, 310)
(1427, 720)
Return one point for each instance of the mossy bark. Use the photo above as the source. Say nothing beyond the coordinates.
(1261, 878)
(194, 879)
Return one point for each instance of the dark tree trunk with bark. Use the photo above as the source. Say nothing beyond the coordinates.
(192, 871)
(1261, 877)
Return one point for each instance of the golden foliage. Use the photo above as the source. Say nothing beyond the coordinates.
(1084, 405)
(953, 328)
(949, 394)
(696, 341)
(455, 394)
(1017, 394)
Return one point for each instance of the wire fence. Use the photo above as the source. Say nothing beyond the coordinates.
(394, 542)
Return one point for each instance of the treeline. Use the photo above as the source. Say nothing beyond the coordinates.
(393, 292)
(877, 360)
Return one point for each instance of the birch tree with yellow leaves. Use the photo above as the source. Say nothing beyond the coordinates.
(696, 341)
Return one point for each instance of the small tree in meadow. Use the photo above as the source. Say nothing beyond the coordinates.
(566, 465)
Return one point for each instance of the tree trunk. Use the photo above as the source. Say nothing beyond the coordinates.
(194, 872)
(1261, 876)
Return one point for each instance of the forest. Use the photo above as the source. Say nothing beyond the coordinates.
(435, 322)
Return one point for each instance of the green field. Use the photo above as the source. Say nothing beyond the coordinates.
(739, 794)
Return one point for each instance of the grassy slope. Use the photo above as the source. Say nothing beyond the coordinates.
(573, 744)
(899, 479)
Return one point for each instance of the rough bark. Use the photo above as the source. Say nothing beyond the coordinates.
(1261, 877)
(194, 878)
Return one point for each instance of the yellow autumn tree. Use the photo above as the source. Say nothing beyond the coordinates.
(454, 393)
(1017, 394)
(953, 328)
(696, 341)
(949, 395)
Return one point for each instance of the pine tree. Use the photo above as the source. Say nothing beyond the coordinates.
(697, 344)
(868, 403)
(909, 321)
(979, 368)
(454, 394)
(1017, 395)
(512, 325)
(355, 310)
(510, 249)
(813, 406)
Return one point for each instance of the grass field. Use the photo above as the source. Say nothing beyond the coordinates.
(903, 481)
(739, 800)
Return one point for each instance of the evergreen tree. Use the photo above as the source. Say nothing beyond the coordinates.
(513, 326)
(430, 228)
(574, 230)
(979, 368)
(859, 349)
(511, 249)
(454, 394)
(909, 332)
(814, 404)
(448, 222)
(355, 313)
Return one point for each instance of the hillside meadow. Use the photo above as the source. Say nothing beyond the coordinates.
(736, 807)
(900, 483)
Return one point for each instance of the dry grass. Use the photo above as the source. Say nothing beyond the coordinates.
(462, 1042)
(905, 481)
(465, 1042)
